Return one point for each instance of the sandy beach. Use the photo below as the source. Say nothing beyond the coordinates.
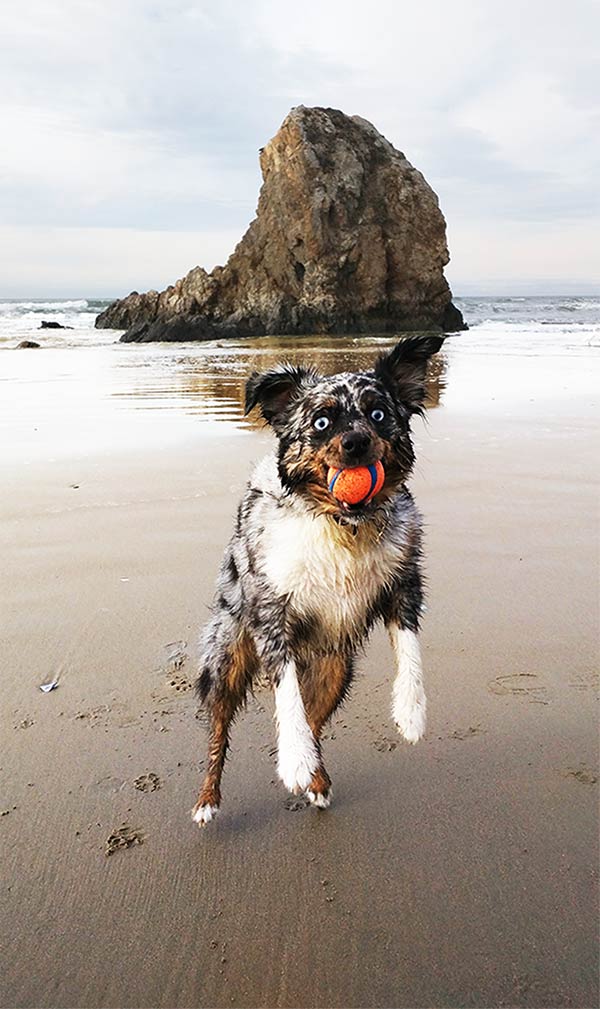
(460, 872)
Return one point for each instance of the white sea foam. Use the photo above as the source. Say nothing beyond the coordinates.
(15, 307)
(530, 338)
(21, 320)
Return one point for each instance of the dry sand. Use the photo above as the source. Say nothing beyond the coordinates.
(460, 872)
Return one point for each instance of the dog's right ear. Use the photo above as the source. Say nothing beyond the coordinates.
(274, 390)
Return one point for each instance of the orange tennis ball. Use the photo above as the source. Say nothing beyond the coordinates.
(356, 485)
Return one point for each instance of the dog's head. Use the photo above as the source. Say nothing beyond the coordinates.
(345, 420)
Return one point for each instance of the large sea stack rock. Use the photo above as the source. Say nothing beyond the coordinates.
(348, 237)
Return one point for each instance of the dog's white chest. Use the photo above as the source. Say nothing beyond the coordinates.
(325, 572)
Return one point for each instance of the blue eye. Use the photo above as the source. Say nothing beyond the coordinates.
(377, 415)
(321, 423)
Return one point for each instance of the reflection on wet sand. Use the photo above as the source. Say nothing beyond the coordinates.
(209, 380)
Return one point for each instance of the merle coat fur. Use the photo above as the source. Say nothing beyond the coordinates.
(304, 577)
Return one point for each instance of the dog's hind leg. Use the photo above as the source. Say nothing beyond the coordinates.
(223, 690)
(324, 687)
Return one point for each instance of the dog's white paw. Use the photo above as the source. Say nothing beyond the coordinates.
(411, 719)
(204, 814)
(297, 756)
(409, 704)
(322, 800)
(296, 767)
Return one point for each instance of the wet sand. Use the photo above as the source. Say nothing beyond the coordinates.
(460, 872)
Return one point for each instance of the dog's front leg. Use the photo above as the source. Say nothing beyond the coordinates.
(298, 751)
(409, 703)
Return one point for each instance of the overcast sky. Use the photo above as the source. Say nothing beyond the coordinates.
(130, 130)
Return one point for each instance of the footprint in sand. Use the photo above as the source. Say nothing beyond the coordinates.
(385, 745)
(523, 685)
(116, 714)
(583, 774)
(203, 717)
(468, 733)
(147, 782)
(26, 723)
(180, 683)
(586, 682)
(109, 784)
(175, 655)
(174, 658)
(295, 803)
(123, 837)
(93, 716)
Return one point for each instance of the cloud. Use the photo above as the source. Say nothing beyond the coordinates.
(118, 113)
(147, 116)
(482, 97)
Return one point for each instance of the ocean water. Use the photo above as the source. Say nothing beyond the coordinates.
(21, 320)
(83, 391)
(528, 325)
(520, 324)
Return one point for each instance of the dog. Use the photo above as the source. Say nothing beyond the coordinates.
(305, 577)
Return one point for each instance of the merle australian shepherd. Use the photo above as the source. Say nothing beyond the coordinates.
(305, 576)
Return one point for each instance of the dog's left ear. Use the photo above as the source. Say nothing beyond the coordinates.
(274, 390)
(403, 370)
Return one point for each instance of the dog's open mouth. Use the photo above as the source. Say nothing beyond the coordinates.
(356, 509)
(352, 516)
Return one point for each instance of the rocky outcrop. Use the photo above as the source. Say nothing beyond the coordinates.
(348, 237)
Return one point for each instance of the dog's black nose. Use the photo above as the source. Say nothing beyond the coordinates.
(354, 443)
